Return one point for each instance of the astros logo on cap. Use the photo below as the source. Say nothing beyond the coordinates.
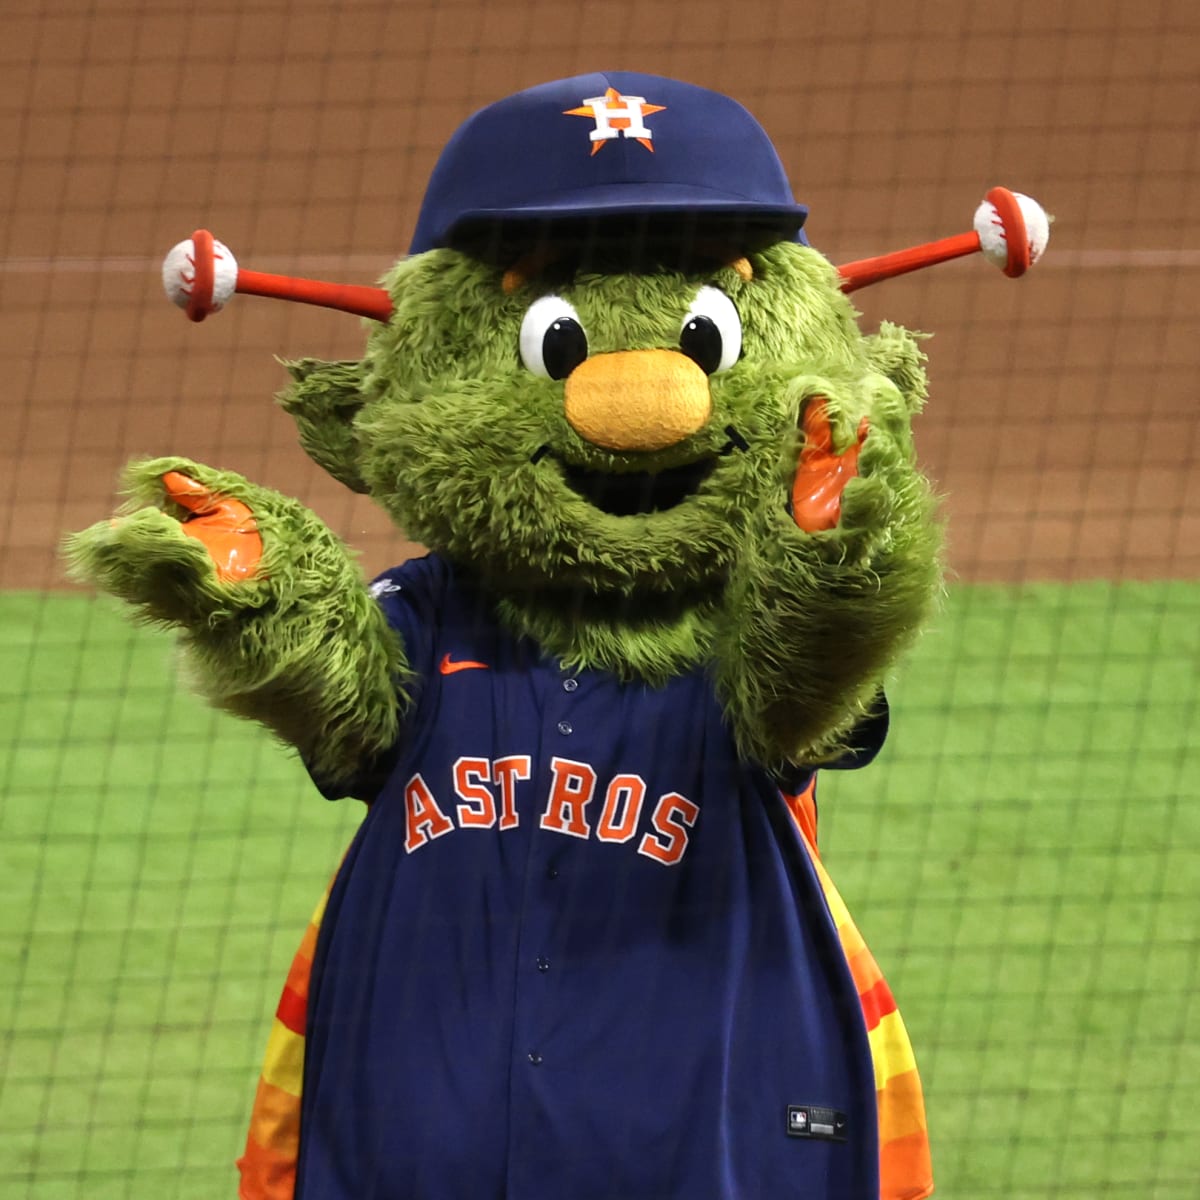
(617, 116)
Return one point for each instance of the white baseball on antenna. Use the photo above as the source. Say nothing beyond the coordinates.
(994, 235)
(198, 277)
(200, 274)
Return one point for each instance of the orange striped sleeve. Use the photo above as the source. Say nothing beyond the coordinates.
(905, 1115)
(803, 807)
(283, 1063)
(297, 976)
(292, 1010)
(877, 1001)
(266, 1172)
(268, 1164)
(863, 966)
(905, 1158)
(272, 1116)
(890, 1049)
(905, 1169)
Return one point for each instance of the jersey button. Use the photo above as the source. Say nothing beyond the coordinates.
(543, 964)
(535, 1058)
(569, 685)
(551, 872)
(565, 727)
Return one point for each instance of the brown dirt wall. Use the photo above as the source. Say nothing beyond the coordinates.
(1062, 427)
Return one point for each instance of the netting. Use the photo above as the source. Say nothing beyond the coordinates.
(1023, 858)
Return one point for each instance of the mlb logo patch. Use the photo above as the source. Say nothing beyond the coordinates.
(617, 116)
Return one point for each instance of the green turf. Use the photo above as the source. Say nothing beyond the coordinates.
(1024, 860)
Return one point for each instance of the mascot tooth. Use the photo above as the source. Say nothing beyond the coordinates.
(582, 944)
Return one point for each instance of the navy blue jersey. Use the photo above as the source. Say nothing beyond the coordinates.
(576, 950)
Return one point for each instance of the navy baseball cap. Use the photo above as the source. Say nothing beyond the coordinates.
(609, 146)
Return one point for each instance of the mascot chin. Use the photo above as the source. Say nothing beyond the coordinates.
(582, 946)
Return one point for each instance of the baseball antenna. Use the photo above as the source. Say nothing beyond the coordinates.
(201, 275)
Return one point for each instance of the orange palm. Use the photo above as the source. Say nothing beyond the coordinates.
(224, 526)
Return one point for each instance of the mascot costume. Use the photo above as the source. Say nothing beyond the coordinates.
(582, 946)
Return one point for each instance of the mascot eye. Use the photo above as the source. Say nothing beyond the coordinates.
(553, 343)
(712, 332)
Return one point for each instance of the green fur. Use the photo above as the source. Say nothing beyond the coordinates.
(447, 448)
(301, 647)
(798, 629)
(323, 400)
(650, 637)
(468, 451)
(895, 352)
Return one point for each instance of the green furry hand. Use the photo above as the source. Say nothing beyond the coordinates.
(193, 544)
(824, 597)
(846, 481)
(271, 607)
(186, 546)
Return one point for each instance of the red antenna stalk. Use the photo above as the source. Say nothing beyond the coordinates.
(1010, 229)
(201, 274)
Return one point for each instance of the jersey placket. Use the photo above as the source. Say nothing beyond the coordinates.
(565, 787)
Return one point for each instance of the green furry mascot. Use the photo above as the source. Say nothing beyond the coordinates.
(582, 945)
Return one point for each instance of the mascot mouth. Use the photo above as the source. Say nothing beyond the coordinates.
(633, 493)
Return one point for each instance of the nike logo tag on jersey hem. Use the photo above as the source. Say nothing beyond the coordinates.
(449, 666)
(816, 1121)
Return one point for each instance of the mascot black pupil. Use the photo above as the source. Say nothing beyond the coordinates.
(564, 347)
(701, 342)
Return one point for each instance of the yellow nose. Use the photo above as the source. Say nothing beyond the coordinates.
(637, 399)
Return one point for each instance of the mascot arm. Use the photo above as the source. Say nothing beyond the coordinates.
(835, 579)
(270, 607)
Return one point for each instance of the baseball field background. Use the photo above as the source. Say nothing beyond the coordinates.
(1024, 858)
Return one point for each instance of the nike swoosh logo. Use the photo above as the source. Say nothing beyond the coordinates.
(448, 666)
